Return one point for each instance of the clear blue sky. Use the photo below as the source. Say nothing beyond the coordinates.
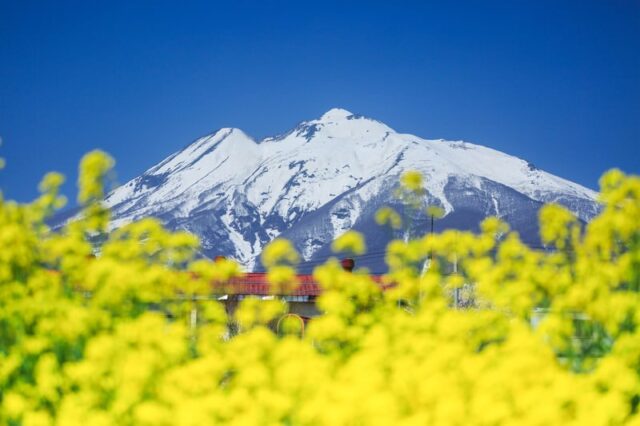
(556, 83)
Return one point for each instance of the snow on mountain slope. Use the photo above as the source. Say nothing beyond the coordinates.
(326, 176)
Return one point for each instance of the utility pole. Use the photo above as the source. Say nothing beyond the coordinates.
(431, 251)
(431, 223)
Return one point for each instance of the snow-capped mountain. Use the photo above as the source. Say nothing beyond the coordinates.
(329, 175)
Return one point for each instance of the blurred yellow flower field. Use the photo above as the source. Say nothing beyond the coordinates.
(549, 337)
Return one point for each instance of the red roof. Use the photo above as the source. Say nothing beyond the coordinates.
(255, 283)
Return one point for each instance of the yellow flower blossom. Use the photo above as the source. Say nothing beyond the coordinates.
(279, 251)
(464, 329)
(388, 216)
(412, 181)
(351, 242)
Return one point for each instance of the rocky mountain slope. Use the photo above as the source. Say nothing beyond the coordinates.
(329, 175)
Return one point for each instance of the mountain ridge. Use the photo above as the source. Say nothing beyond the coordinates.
(326, 176)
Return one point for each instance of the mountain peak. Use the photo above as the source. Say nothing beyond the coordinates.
(326, 176)
(335, 114)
